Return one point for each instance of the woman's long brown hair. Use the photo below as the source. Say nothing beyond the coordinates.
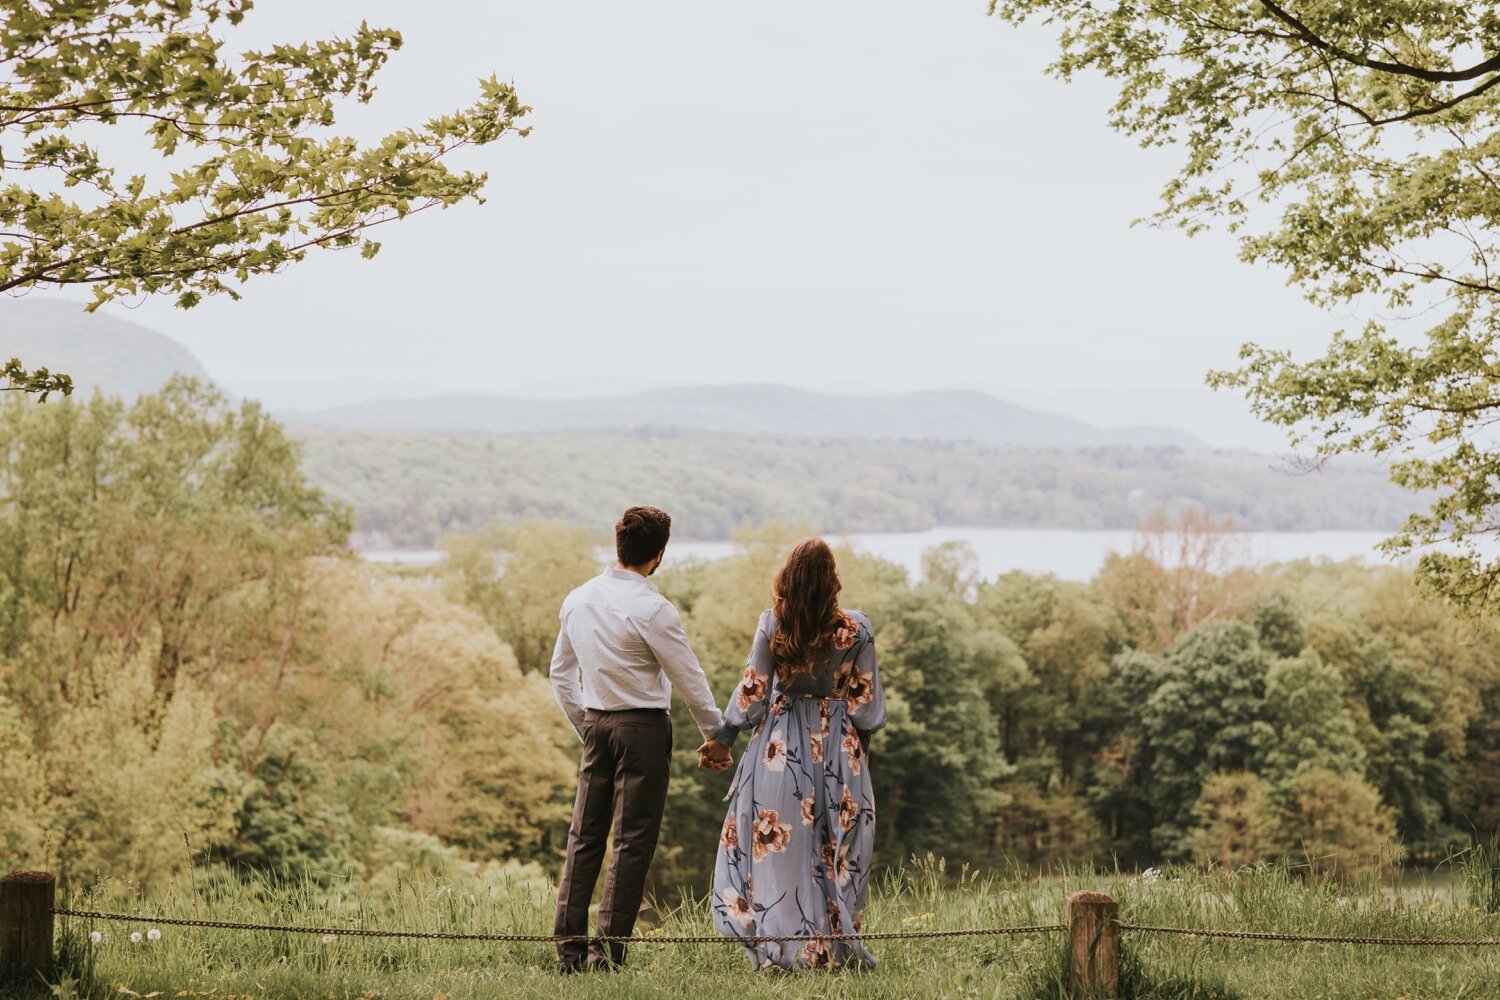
(805, 599)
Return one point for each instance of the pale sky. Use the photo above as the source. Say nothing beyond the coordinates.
(882, 192)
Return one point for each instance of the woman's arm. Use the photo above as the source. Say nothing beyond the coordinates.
(863, 693)
(747, 705)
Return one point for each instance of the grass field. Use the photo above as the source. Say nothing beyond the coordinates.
(221, 964)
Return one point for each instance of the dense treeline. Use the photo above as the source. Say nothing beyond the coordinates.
(408, 490)
(187, 645)
(1318, 714)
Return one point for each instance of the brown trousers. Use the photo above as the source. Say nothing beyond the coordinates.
(622, 781)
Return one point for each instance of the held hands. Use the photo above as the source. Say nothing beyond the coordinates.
(714, 755)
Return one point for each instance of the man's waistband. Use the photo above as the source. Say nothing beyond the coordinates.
(648, 712)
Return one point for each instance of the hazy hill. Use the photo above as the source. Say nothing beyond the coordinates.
(409, 489)
(949, 415)
(99, 351)
(1222, 418)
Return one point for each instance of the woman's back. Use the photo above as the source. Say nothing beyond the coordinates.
(794, 854)
(819, 679)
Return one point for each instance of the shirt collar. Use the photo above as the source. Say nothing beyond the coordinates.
(616, 573)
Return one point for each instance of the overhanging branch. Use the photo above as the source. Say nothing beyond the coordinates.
(1312, 38)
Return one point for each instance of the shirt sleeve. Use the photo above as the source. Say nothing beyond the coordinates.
(747, 704)
(565, 685)
(668, 643)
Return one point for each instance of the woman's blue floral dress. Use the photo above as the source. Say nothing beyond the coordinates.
(794, 854)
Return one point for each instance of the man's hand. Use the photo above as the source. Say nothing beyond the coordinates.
(714, 755)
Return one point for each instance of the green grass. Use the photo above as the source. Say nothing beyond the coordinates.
(210, 963)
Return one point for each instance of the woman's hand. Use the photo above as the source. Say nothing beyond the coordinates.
(714, 755)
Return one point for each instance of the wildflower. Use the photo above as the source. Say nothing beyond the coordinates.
(329, 938)
(135, 937)
(153, 935)
(96, 937)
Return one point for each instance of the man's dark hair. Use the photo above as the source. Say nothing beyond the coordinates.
(641, 535)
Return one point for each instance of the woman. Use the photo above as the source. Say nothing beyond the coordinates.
(794, 854)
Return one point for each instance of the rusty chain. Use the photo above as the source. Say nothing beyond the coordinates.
(1314, 938)
(554, 938)
(774, 938)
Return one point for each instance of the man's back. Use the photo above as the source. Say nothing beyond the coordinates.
(626, 641)
(619, 651)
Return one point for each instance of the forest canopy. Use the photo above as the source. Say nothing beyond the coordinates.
(191, 629)
(1353, 146)
(410, 490)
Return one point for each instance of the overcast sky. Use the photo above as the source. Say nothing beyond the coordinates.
(882, 192)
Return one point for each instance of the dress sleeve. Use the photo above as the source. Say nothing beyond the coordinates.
(865, 697)
(747, 705)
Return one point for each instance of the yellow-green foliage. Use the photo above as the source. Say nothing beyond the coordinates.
(122, 773)
(187, 647)
(1336, 825)
(494, 768)
(190, 653)
(517, 575)
(23, 833)
(1235, 823)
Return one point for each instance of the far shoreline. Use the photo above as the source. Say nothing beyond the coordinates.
(1069, 553)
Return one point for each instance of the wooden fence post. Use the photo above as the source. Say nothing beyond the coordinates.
(26, 900)
(1093, 946)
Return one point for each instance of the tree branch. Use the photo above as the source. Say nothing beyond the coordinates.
(1489, 65)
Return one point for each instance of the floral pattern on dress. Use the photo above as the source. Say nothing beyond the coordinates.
(770, 834)
(741, 908)
(775, 757)
(807, 758)
(751, 690)
(854, 749)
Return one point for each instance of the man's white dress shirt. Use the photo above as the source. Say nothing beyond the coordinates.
(627, 642)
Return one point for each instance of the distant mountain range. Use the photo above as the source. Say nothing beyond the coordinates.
(1222, 418)
(99, 351)
(103, 351)
(952, 415)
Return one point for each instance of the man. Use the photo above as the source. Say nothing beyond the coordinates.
(626, 641)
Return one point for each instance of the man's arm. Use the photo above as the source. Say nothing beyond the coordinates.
(663, 633)
(565, 686)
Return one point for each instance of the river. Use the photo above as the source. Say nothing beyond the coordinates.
(1069, 554)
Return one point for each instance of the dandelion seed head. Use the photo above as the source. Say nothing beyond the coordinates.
(96, 937)
(153, 935)
(135, 937)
